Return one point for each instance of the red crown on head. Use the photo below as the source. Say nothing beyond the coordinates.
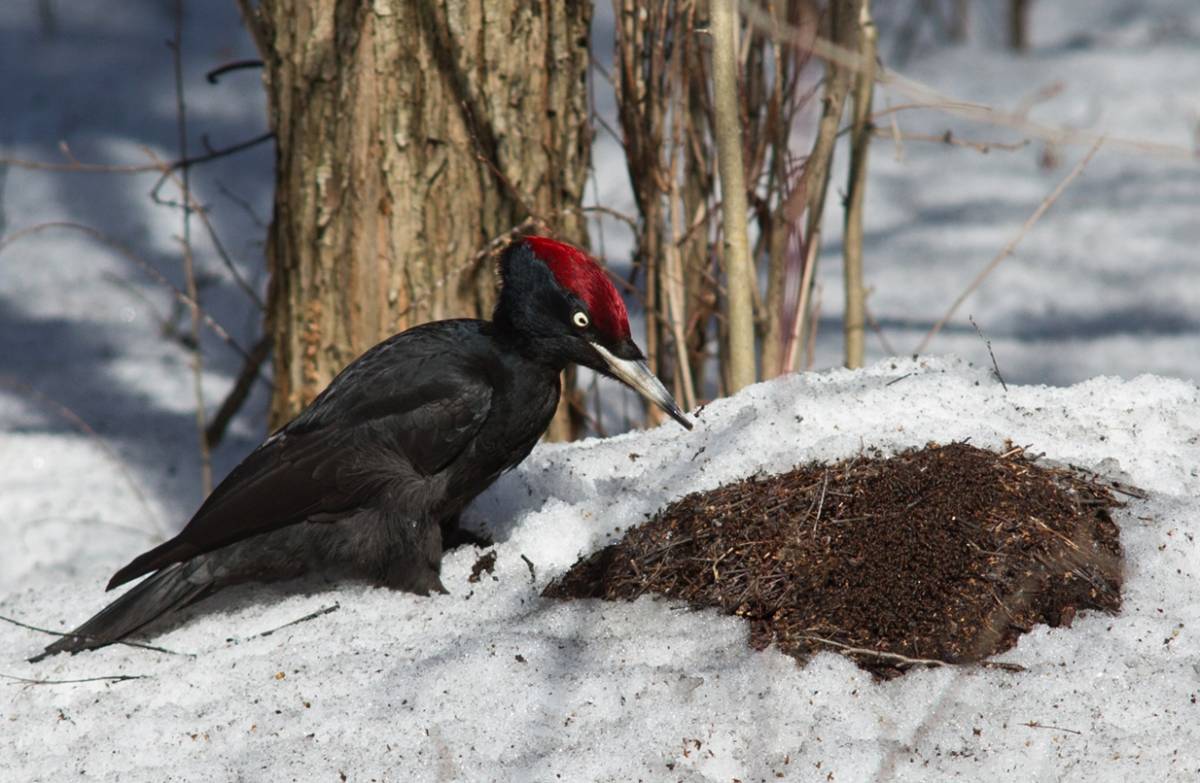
(580, 274)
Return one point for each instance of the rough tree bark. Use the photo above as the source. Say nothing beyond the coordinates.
(410, 133)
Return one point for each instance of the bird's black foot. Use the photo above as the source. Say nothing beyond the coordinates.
(410, 578)
(459, 537)
(454, 536)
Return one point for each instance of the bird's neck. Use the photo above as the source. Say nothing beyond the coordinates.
(521, 336)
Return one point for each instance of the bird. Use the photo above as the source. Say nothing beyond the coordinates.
(368, 481)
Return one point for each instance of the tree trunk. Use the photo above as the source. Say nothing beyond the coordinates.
(410, 134)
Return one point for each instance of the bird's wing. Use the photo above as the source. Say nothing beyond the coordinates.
(335, 457)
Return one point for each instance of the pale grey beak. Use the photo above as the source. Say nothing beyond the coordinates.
(636, 375)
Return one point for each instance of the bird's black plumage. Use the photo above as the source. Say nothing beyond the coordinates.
(372, 475)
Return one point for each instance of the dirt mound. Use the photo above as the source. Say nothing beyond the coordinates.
(944, 554)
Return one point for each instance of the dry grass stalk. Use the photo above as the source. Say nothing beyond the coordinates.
(841, 23)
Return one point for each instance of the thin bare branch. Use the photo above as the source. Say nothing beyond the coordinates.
(948, 137)
(105, 678)
(628, 220)
(324, 610)
(74, 165)
(168, 175)
(61, 634)
(189, 269)
(802, 306)
(251, 371)
(214, 75)
(904, 660)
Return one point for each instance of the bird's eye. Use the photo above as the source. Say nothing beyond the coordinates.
(580, 319)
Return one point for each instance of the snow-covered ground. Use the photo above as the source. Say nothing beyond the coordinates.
(492, 682)
(393, 687)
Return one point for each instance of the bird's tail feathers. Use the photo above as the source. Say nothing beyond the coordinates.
(166, 591)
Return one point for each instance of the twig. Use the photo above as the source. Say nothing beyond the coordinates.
(240, 391)
(62, 410)
(613, 213)
(237, 65)
(200, 211)
(74, 165)
(878, 330)
(802, 306)
(197, 209)
(905, 660)
(225, 258)
(1007, 250)
(324, 610)
(85, 637)
(184, 163)
(821, 503)
(189, 269)
(106, 678)
(245, 205)
(1128, 490)
(895, 134)
(1117, 486)
(948, 137)
(532, 570)
(988, 343)
(1035, 725)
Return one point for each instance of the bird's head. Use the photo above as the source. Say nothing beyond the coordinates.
(559, 299)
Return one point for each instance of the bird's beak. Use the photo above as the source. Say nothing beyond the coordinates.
(636, 375)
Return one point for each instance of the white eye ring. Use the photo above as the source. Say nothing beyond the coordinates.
(580, 319)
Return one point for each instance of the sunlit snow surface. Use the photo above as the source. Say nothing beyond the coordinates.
(394, 687)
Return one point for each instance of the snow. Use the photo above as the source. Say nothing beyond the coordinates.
(492, 682)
